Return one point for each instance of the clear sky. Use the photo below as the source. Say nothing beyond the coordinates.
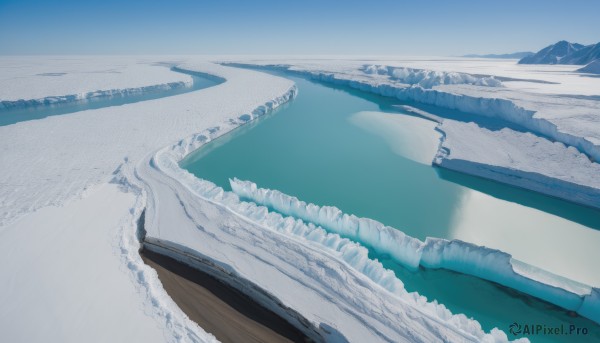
(397, 27)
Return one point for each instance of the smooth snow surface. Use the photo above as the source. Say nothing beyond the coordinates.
(63, 278)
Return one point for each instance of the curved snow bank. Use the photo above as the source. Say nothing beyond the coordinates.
(158, 302)
(333, 244)
(485, 263)
(430, 78)
(90, 96)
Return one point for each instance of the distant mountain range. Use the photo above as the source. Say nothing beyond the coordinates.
(564, 52)
(520, 54)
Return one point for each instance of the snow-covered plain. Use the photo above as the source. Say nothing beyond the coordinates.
(55, 184)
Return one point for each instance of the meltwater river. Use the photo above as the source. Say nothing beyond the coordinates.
(356, 151)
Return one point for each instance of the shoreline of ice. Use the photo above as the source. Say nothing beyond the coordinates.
(467, 258)
(524, 160)
(504, 109)
(6, 105)
(25, 79)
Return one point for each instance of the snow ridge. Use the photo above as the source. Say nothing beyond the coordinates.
(430, 78)
(159, 303)
(88, 96)
(485, 263)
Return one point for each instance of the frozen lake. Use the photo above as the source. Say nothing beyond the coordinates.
(355, 151)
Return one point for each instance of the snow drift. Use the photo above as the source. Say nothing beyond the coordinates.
(482, 262)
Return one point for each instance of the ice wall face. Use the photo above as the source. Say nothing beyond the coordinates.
(430, 78)
(459, 256)
(317, 237)
(524, 160)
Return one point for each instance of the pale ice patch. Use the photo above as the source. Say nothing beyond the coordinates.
(569, 248)
(408, 136)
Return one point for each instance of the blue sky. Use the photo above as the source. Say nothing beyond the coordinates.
(426, 27)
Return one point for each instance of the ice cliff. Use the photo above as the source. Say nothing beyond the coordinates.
(459, 256)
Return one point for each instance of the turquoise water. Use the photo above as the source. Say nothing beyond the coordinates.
(315, 148)
(12, 116)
